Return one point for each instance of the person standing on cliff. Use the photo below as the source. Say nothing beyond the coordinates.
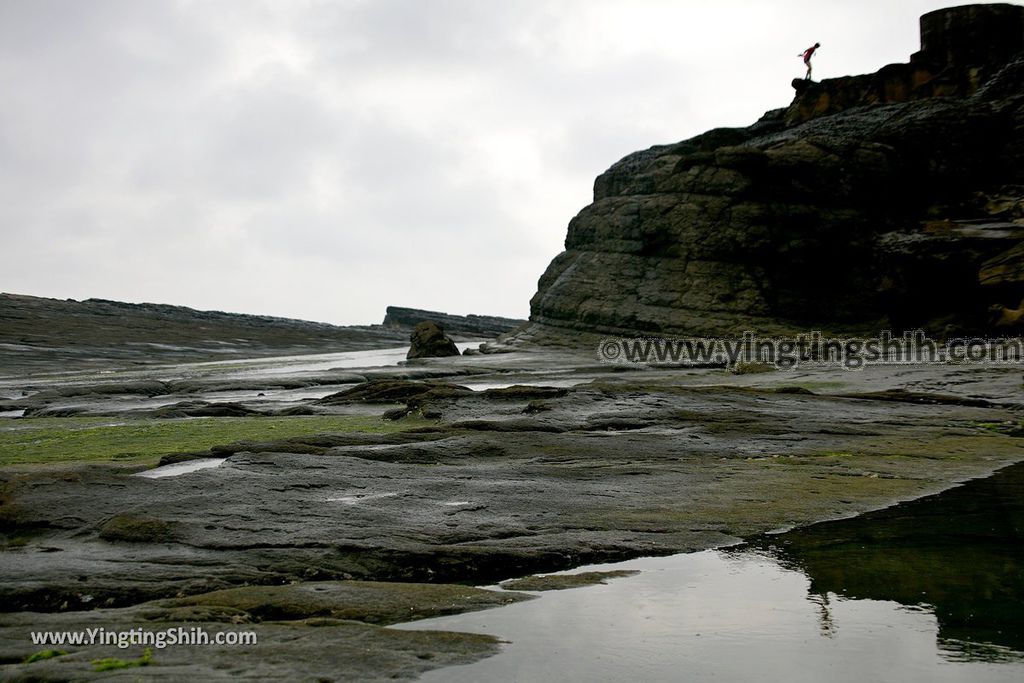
(807, 54)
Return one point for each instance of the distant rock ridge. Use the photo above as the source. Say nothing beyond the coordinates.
(888, 201)
(399, 318)
(45, 332)
(39, 333)
(110, 307)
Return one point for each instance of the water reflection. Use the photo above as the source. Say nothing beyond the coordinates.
(959, 555)
(928, 591)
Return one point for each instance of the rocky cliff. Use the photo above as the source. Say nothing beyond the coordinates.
(888, 201)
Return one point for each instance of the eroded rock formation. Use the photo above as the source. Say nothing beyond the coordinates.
(428, 340)
(887, 201)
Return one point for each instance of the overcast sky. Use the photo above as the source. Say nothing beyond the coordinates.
(322, 159)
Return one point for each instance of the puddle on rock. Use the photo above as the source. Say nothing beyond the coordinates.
(179, 468)
(931, 590)
(358, 498)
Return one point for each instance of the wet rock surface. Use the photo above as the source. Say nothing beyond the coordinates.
(528, 462)
(304, 631)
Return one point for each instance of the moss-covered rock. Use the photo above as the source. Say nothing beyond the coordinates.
(556, 582)
(128, 528)
(367, 601)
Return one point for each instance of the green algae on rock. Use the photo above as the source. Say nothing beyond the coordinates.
(556, 582)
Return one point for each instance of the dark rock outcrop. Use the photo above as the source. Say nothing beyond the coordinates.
(398, 318)
(394, 391)
(891, 200)
(428, 340)
(204, 409)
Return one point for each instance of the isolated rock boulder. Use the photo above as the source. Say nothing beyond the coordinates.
(428, 340)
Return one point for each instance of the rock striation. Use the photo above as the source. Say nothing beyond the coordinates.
(893, 200)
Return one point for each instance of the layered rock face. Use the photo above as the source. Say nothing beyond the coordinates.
(888, 201)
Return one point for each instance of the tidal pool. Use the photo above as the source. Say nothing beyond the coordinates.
(179, 468)
(931, 590)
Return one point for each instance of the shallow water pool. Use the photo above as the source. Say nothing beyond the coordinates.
(931, 590)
